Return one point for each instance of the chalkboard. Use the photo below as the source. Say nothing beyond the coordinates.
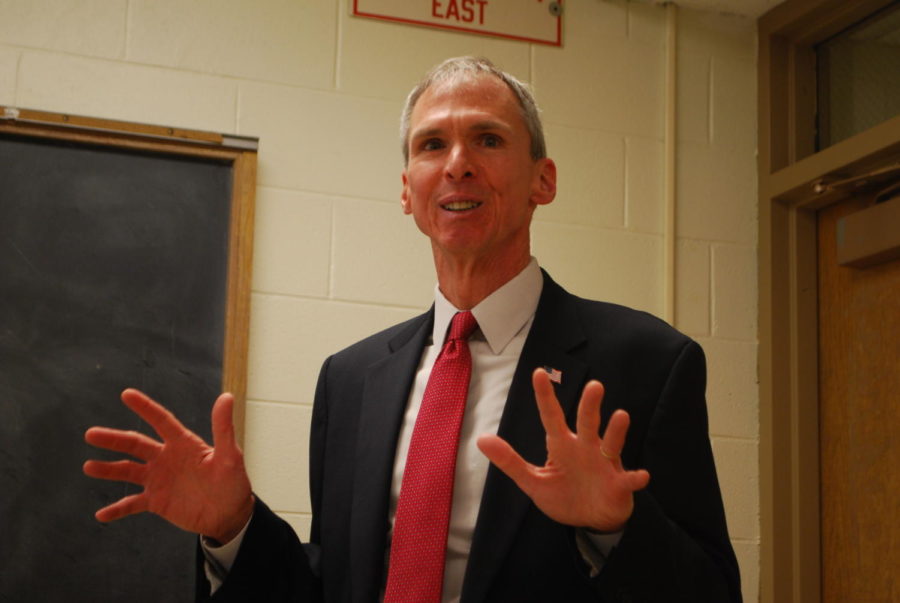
(117, 270)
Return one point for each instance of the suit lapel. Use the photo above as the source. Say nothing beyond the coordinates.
(554, 334)
(385, 393)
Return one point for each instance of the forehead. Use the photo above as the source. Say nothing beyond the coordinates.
(484, 96)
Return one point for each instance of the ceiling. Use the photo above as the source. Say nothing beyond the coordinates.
(746, 8)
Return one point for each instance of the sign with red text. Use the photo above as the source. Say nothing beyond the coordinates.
(528, 20)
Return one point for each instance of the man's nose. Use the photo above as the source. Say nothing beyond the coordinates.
(459, 163)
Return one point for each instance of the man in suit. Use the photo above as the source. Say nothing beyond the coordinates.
(555, 515)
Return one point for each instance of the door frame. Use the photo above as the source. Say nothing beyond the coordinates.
(794, 182)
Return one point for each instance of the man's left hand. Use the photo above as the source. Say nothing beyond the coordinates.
(583, 483)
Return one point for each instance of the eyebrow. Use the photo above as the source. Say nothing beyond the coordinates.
(480, 126)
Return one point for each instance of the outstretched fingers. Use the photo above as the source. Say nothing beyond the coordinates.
(224, 440)
(131, 443)
(120, 471)
(576, 485)
(614, 436)
(130, 505)
(587, 424)
(501, 454)
(552, 416)
(637, 479)
(166, 425)
(611, 448)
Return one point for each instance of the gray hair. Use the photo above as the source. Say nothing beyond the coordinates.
(459, 68)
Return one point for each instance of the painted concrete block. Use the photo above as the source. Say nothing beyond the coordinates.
(716, 195)
(646, 23)
(590, 179)
(590, 89)
(291, 337)
(9, 69)
(747, 553)
(693, 97)
(603, 264)
(292, 243)
(732, 388)
(380, 256)
(115, 90)
(737, 464)
(734, 292)
(93, 28)
(603, 78)
(277, 455)
(323, 141)
(386, 60)
(734, 106)
(272, 41)
(692, 287)
(717, 34)
(644, 185)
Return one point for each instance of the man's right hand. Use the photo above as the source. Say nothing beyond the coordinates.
(197, 487)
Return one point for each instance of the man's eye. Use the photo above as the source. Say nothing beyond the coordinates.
(432, 144)
(491, 140)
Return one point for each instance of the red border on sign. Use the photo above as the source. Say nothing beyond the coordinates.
(558, 42)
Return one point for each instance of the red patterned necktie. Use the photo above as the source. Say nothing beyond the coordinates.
(419, 542)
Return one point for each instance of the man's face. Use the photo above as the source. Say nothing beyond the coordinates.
(470, 183)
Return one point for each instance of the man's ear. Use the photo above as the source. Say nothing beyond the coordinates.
(543, 188)
(404, 195)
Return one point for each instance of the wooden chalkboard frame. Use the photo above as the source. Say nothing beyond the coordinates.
(239, 151)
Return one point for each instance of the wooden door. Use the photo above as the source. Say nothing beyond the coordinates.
(859, 415)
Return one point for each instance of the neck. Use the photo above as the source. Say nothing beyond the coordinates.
(465, 282)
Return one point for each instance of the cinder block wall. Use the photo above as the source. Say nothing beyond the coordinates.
(335, 259)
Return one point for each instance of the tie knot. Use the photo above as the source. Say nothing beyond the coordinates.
(462, 325)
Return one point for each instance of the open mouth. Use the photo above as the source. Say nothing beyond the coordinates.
(461, 205)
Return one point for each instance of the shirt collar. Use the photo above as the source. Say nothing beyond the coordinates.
(501, 314)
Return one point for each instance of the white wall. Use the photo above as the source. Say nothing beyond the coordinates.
(336, 260)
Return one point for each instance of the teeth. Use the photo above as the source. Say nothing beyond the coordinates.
(461, 205)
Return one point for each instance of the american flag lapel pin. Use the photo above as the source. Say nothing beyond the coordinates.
(555, 374)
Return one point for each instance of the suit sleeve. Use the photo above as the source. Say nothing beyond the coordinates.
(675, 546)
(272, 565)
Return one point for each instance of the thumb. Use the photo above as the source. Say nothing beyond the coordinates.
(499, 452)
(223, 424)
(638, 480)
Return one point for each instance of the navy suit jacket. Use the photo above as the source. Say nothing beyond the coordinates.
(674, 548)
